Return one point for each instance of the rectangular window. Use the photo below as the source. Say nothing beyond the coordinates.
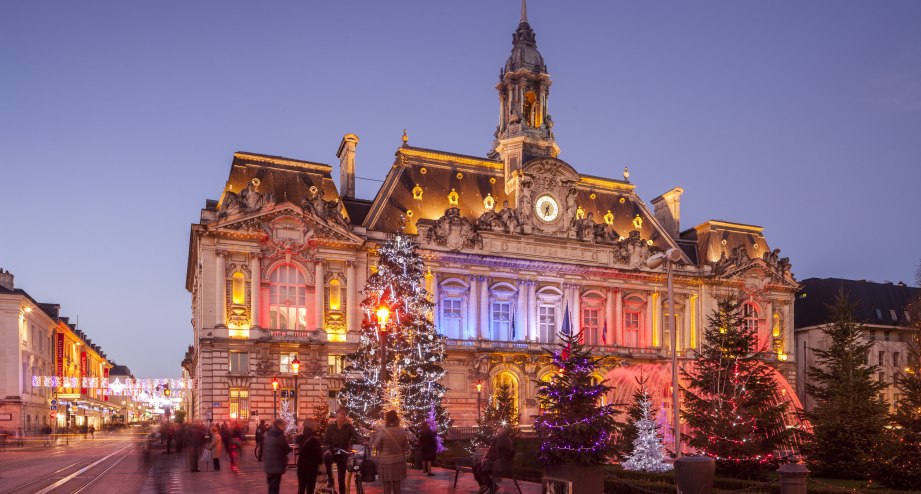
(546, 318)
(451, 317)
(886, 336)
(882, 358)
(239, 404)
(336, 363)
(882, 377)
(879, 314)
(239, 362)
(632, 329)
(590, 330)
(501, 321)
(284, 363)
(892, 314)
(895, 359)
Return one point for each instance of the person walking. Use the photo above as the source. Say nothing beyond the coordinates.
(260, 437)
(392, 443)
(339, 437)
(309, 458)
(195, 443)
(216, 446)
(275, 454)
(428, 449)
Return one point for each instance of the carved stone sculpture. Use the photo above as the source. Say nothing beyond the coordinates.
(247, 201)
(454, 231)
(509, 219)
(524, 201)
(632, 251)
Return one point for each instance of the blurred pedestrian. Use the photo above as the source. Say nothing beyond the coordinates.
(309, 458)
(216, 447)
(428, 449)
(260, 437)
(275, 453)
(392, 443)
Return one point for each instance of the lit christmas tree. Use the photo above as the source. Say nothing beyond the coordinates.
(397, 309)
(321, 415)
(486, 426)
(647, 447)
(288, 416)
(730, 402)
(498, 411)
(575, 426)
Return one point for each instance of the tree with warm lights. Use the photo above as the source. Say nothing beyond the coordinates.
(902, 469)
(575, 426)
(730, 403)
(500, 410)
(850, 417)
(321, 415)
(398, 310)
(647, 452)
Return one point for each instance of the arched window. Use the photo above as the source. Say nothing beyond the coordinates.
(603, 398)
(506, 379)
(238, 288)
(450, 308)
(288, 298)
(335, 294)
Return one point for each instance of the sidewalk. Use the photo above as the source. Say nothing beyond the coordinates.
(171, 475)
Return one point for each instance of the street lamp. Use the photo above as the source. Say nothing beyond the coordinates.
(479, 387)
(383, 315)
(275, 397)
(670, 258)
(296, 367)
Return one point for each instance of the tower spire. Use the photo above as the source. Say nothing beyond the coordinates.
(524, 10)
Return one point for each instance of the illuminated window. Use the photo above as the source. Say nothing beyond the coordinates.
(451, 317)
(288, 299)
(753, 323)
(238, 288)
(591, 333)
(546, 319)
(507, 379)
(335, 295)
(632, 328)
(603, 398)
(501, 321)
(239, 404)
(284, 363)
(239, 362)
(336, 363)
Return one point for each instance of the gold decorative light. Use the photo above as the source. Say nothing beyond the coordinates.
(609, 218)
(417, 193)
(452, 197)
(492, 180)
(649, 243)
(409, 213)
(313, 189)
(460, 175)
(638, 222)
(580, 213)
(592, 196)
(489, 202)
(622, 200)
(423, 170)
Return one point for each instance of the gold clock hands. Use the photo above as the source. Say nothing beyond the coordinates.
(547, 210)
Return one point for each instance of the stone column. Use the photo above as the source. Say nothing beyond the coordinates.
(646, 332)
(532, 310)
(521, 312)
(255, 281)
(484, 308)
(472, 315)
(220, 289)
(610, 335)
(660, 318)
(686, 324)
(319, 295)
(350, 291)
(575, 315)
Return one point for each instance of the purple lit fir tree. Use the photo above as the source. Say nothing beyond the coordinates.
(575, 426)
(731, 400)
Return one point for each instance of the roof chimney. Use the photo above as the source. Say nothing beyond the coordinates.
(668, 211)
(346, 155)
(6, 279)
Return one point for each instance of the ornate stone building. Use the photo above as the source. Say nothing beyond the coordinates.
(511, 240)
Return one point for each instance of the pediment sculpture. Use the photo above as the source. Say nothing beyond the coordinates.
(454, 231)
(247, 201)
(327, 210)
(506, 220)
(632, 251)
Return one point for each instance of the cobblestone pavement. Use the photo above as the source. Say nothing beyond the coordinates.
(171, 475)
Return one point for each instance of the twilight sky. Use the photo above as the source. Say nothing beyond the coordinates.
(118, 119)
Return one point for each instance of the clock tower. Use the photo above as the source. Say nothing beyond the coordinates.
(525, 128)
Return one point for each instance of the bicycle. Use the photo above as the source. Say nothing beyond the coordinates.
(258, 451)
(357, 465)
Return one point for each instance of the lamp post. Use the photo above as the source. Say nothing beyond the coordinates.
(479, 387)
(296, 367)
(275, 397)
(383, 315)
(670, 258)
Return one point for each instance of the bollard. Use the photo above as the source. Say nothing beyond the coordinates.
(694, 474)
(793, 478)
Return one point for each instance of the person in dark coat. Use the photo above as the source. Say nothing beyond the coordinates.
(428, 449)
(340, 435)
(195, 443)
(275, 454)
(309, 459)
(260, 436)
(498, 458)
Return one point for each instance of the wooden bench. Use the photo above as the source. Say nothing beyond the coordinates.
(465, 464)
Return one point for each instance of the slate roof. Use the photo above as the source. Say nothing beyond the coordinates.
(716, 238)
(874, 301)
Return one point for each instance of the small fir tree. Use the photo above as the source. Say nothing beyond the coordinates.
(486, 426)
(321, 415)
(730, 403)
(850, 416)
(500, 410)
(575, 426)
(647, 452)
(507, 409)
(362, 394)
(634, 413)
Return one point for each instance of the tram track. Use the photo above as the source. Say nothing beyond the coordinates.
(73, 472)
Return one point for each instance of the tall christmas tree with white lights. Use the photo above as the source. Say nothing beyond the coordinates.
(647, 447)
(398, 311)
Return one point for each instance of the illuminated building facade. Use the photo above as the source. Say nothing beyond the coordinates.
(511, 240)
(37, 344)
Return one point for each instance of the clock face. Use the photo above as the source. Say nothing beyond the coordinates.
(547, 209)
